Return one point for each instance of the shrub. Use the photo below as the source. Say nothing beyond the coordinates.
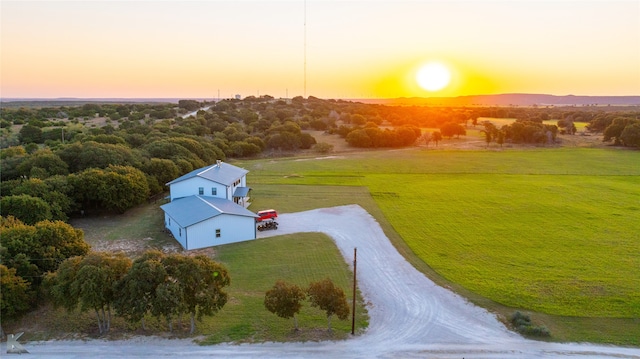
(522, 324)
(323, 147)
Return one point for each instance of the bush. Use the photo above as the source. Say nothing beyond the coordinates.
(323, 147)
(522, 324)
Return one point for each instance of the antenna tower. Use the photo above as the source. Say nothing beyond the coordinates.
(305, 49)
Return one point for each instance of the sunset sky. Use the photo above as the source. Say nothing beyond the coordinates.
(354, 49)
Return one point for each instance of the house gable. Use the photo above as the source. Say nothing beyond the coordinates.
(222, 173)
(190, 210)
(199, 221)
(218, 180)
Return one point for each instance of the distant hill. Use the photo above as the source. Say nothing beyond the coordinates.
(514, 99)
(73, 101)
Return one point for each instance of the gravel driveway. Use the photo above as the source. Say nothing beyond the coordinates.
(410, 316)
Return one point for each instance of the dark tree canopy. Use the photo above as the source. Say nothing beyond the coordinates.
(89, 283)
(329, 298)
(15, 297)
(630, 136)
(284, 300)
(27, 208)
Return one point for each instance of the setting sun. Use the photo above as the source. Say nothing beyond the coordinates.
(433, 76)
(416, 53)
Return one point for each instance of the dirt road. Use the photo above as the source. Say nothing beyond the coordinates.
(410, 317)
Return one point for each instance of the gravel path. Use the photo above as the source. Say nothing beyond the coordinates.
(410, 316)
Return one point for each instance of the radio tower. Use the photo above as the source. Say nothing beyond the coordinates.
(305, 49)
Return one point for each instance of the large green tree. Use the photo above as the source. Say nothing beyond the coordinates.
(19, 244)
(15, 297)
(59, 203)
(58, 241)
(201, 283)
(36, 249)
(116, 188)
(45, 160)
(30, 134)
(630, 136)
(162, 169)
(329, 298)
(436, 136)
(90, 284)
(27, 208)
(615, 129)
(138, 291)
(80, 156)
(451, 129)
(285, 300)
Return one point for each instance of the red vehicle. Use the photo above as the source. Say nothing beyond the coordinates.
(267, 214)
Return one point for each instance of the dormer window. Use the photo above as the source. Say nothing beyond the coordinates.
(200, 191)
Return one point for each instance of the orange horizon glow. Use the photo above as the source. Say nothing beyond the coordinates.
(211, 49)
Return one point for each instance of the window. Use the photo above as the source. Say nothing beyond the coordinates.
(214, 191)
(201, 190)
(180, 231)
(217, 233)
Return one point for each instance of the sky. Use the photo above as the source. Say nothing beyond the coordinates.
(324, 48)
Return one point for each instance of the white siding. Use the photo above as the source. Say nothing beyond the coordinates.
(232, 229)
(177, 231)
(190, 188)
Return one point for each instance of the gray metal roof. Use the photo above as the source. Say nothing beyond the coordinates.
(223, 173)
(194, 209)
(241, 192)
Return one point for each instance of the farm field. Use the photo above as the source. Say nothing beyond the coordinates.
(551, 231)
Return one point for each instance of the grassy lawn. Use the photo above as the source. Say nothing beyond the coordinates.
(531, 242)
(549, 231)
(256, 266)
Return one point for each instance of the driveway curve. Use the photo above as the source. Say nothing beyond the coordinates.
(410, 316)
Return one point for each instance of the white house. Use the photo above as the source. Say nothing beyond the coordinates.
(207, 207)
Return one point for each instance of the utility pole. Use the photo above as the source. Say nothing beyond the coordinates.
(353, 310)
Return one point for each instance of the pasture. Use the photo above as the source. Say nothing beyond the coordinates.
(549, 231)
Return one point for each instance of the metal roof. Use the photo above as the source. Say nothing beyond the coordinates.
(241, 192)
(194, 209)
(223, 173)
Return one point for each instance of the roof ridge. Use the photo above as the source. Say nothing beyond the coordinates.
(209, 203)
(205, 170)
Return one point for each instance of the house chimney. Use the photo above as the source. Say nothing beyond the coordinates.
(219, 163)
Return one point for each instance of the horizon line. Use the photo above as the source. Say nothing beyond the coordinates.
(70, 98)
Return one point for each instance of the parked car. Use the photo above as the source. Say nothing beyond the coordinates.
(267, 214)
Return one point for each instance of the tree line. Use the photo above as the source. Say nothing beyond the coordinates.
(50, 260)
(165, 286)
(27, 254)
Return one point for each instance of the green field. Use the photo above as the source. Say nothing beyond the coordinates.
(553, 231)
